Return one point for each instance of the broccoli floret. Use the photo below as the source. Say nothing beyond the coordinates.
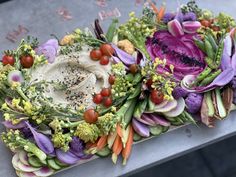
(107, 123)
(61, 140)
(87, 132)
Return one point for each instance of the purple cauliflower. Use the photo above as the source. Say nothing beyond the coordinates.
(193, 102)
(168, 17)
(190, 16)
(179, 92)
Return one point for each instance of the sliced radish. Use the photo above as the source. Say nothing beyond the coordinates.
(160, 120)
(15, 160)
(26, 174)
(23, 157)
(169, 106)
(162, 104)
(178, 110)
(44, 171)
(26, 168)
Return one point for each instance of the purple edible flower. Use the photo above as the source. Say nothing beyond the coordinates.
(48, 49)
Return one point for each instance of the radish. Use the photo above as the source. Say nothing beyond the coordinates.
(169, 106)
(26, 174)
(146, 119)
(160, 120)
(177, 110)
(26, 168)
(15, 160)
(23, 157)
(44, 171)
(161, 105)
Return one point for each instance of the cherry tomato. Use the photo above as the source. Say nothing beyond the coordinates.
(107, 102)
(90, 116)
(156, 96)
(107, 49)
(26, 61)
(97, 98)
(95, 54)
(105, 92)
(111, 79)
(133, 68)
(104, 60)
(8, 59)
(206, 23)
(149, 83)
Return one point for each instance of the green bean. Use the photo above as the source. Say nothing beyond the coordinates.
(210, 62)
(212, 41)
(111, 30)
(202, 75)
(200, 45)
(210, 78)
(209, 48)
(129, 113)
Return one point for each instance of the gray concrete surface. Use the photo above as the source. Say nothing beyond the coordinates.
(41, 18)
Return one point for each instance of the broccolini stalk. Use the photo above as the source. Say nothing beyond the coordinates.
(14, 141)
(220, 105)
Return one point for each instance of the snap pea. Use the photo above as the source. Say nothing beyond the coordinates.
(136, 92)
(129, 113)
(209, 48)
(210, 78)
(140, 108)
(189, 117)
(202, 75)
(137, 78)
(151, 105)
(200, 45)
(111, 30)
(210, 62)
(212, 42)
(219, 53)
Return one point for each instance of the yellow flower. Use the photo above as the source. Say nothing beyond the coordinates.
(132, 14)
(16, 102)
(28, 107)
(4, 106)
(14, 85)
(6, 116)
(172, 68)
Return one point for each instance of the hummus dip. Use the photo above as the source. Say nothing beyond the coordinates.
(81, 76)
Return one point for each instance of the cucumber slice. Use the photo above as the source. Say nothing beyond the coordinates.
(157, 130)
(61, 164)
(104, 152)
(34, 162)
(176, 123)
(52, 164)
(137, 137)
(165, 129)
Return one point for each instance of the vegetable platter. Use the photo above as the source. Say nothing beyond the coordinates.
(94, 94)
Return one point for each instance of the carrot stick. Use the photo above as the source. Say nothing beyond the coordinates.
(117, 146)
(102, 142)
(154, 8)
(119, 130)
(127, 150)
(116, 149)
(161, 13)
(90, 145)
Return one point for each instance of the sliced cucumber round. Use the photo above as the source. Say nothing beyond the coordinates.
(34, 162)
(157, 130)
(52, 164)
(137, 137)
(165, 129)
(61, 164)
(104, 152)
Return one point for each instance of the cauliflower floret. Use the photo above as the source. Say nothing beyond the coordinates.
(179, 92)
(126, 45)
(194, 102)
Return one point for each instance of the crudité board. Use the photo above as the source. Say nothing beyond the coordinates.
(95, 93)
